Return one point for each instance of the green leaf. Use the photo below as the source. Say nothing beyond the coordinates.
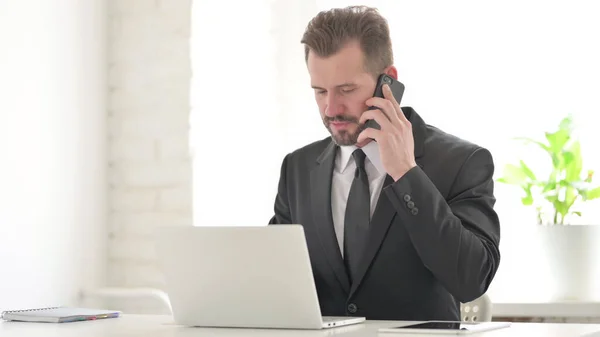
(552, 198)
(538, 143)
(590, 174)
(558, 140)
(560, 207)
(570, 197)
(577, 213)
(567, 159)
(528, 172)
(573, 163)
(564, 183)
(566, 124)
(557, 161)
(527, 200)
(514, 175)
(549, 187)
(593, 194)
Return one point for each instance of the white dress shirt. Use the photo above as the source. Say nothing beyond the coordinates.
(343, 175)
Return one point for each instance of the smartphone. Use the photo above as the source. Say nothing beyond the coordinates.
(397, 91)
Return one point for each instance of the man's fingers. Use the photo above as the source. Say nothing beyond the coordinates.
(376, 115)
(368, 133)
(385, 106)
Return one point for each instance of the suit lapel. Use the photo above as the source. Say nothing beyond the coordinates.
(320, 193)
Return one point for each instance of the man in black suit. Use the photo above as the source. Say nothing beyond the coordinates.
(399, 221)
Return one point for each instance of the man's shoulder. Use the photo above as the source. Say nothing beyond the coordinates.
(448, 146)
(310, 152)
(441, 137)
(437, 144)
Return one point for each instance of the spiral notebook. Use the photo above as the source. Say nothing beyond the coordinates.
(58, 314)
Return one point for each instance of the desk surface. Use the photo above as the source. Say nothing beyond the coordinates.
(155, 326)
(547, 309)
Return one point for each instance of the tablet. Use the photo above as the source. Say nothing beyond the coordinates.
(447, 327)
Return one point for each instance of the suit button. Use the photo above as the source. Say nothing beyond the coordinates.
(407, 197)
(352, 308)
(414, 211)
(410, 204)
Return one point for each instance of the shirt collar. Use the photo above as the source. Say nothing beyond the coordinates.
(371, 150)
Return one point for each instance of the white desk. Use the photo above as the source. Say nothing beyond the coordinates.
(547, 309)
(155, 326)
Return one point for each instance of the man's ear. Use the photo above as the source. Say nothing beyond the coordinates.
(392, 72)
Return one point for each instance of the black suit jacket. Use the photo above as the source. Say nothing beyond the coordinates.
(434, 237)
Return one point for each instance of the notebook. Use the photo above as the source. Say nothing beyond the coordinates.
(58, 314)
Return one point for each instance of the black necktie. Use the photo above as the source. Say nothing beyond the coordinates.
(358, 215)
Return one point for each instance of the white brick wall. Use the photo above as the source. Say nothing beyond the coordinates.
(149, 163)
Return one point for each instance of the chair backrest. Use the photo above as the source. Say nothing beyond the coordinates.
(478, 310)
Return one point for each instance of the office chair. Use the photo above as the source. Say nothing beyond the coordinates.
(478, 310)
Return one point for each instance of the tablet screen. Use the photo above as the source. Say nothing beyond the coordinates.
(449, 325)
(436, 326)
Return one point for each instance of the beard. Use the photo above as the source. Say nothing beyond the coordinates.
(343, 137)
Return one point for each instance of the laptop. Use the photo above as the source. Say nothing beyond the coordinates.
(241, 277)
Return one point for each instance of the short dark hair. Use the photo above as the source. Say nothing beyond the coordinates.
(332, 29)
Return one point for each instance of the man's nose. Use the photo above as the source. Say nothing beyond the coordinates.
(334, 107)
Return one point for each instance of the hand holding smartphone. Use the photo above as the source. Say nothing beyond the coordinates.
(397, 89)
(394, 136)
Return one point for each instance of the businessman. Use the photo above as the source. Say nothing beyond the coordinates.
(399, 221)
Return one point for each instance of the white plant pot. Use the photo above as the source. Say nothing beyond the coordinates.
(573, 261)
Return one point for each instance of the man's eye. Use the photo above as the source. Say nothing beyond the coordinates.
(347, 91)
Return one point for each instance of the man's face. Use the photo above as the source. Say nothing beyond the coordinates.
(341, 87)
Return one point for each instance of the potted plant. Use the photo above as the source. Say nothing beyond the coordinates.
(571, 250)
(564, 187)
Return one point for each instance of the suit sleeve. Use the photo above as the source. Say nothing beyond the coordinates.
(457, 239)
(281, 208)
